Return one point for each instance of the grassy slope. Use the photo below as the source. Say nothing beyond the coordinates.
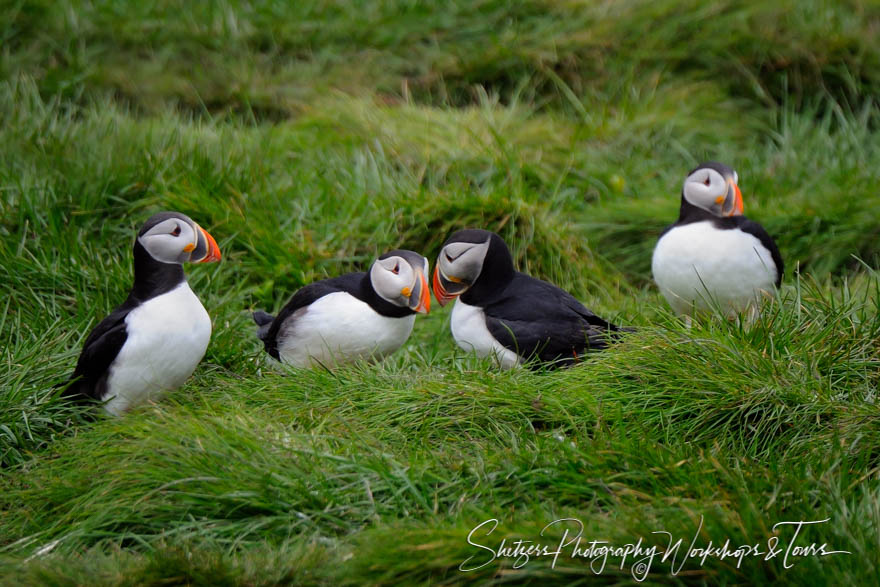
(576, 153)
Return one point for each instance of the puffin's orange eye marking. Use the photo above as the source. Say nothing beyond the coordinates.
(189, 248)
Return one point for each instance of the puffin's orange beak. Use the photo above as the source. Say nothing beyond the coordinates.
(213, 249)
(439, 291)
(737, 208)
(739, 200)
(420, 301)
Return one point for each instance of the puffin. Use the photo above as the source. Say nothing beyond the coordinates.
(507, 315)
(362, 315)
(713, 254)
(154, 340)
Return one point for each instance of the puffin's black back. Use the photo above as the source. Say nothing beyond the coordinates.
(531, 317)
(536, 319)
(357, 285)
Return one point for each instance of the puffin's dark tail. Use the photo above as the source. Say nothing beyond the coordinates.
(617, 333)
(264, 321)
(262, 318)
(68, 387)
(601, 338)
(73, 389)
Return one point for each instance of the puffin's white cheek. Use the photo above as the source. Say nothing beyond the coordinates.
(164, 248)
(388, 285)
(470, 269)
(444, 264)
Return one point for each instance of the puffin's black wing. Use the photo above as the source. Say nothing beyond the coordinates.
(667, 229)
(537, 319)
(103, 344)
(350, 282)
(756, 230)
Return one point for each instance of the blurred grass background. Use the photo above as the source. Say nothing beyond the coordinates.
(309, 137)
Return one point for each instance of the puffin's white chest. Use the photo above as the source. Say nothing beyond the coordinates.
(696, 263)
(166, 338)
(470, 333)
(339, 328)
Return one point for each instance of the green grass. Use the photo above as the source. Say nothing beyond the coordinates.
(310, 137)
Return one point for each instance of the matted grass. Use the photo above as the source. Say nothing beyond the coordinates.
(308, 138)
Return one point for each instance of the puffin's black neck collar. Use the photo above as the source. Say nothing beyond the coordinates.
(382, 306)
(151, 277)
(689, 213)
(496, 274)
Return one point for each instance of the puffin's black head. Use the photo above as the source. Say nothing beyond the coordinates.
(712, 187)
(469, 259)
(172, 237)
(400, 277)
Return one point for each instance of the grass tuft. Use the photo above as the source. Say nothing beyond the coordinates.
(310, 138)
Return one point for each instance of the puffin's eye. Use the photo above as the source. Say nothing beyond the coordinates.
(707, 181)
(448, 258)
(176, 231)
(396, 269)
